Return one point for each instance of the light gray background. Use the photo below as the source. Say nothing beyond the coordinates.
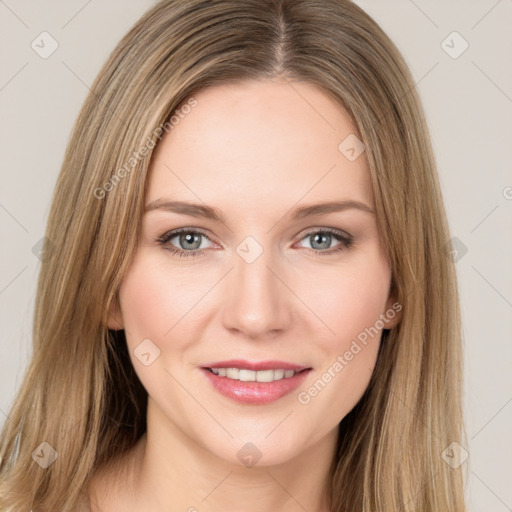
(468, 103)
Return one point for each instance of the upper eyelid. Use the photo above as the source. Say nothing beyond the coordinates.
(334, 231)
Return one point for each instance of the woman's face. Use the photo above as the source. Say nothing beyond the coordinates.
(266, 287)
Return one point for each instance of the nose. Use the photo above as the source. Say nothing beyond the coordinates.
(258, 303)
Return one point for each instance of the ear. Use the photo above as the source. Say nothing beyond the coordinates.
(394, 310)
(115, 317)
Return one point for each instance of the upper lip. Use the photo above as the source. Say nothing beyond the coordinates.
(256, 365)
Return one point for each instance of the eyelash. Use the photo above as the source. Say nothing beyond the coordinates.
(346, 242)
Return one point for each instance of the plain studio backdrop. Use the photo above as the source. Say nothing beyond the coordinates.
(460, 54)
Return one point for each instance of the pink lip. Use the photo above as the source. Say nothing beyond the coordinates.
(262, 365)
(255, 393)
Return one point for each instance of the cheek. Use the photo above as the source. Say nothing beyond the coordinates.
(349, 355)
(154, 299)
(154, 302)
(356, 304)
(346, 300)
(350, 305)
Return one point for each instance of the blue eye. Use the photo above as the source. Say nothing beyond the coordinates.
(190, 241)
(324, 237)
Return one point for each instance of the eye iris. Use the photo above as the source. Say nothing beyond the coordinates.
(190, 238)
(326, 240)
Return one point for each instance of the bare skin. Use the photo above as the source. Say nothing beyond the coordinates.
(256, 151)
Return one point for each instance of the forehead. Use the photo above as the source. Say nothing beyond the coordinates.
(259, 143)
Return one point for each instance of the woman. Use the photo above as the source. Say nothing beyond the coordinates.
(304, 352)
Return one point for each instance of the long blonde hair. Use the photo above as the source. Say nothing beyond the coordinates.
(80, 393)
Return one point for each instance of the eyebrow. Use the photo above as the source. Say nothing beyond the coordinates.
(210, 212)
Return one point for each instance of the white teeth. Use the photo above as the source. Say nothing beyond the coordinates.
(252, 375)
(233, 373)
(278, 374)
(247, 375)
(265, 376)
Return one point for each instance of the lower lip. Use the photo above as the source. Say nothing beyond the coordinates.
(255, 393)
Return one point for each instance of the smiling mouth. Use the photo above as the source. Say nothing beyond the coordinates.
(255, 382)
(244, 375)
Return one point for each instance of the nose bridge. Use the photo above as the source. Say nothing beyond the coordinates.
(256, 300)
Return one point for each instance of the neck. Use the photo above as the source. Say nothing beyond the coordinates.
(167, 470)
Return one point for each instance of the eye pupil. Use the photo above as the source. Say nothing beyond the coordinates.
(190, 238)
(319, 236)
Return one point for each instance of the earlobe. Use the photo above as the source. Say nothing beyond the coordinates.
(393, 313)
(115, 318)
